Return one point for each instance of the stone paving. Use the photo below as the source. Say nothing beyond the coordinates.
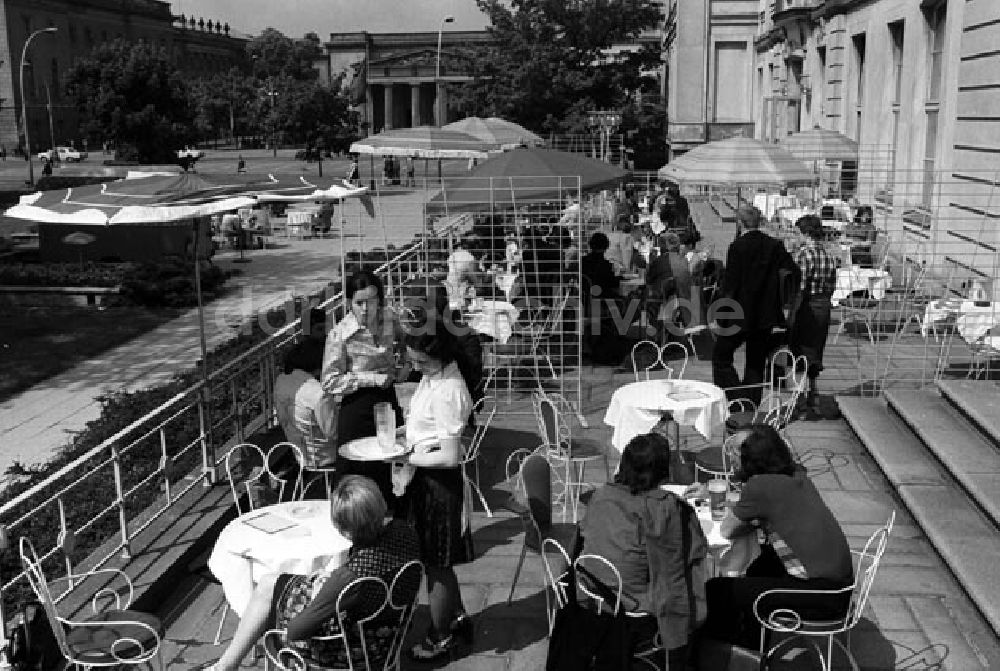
(917, 617)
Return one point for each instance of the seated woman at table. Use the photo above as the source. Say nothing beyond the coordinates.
(806, 548)
(655, 541)
(379, 549)
(307, 415)
(439, 411)
(359, 367)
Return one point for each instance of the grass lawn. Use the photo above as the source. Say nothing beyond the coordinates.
(39, 342)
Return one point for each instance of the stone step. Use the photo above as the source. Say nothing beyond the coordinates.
(968, 455)
(964, 537)
(979, 400)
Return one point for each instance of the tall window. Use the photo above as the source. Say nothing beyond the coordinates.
(896, 32)
(936, 25)
(858, 42)
(820, 88)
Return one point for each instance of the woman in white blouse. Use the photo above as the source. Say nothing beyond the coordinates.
(439, 411)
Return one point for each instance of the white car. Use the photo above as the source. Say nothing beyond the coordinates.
(190, 152)
(68, 154)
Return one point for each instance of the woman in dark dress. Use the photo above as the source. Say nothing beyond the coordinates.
(439, 411)
(359, 368)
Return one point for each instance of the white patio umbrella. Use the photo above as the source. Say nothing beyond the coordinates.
(498, 131)
(820, 144)
(738, 161)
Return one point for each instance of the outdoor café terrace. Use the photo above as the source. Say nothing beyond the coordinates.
(165, 513)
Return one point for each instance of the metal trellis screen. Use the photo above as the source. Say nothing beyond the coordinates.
(915, 298)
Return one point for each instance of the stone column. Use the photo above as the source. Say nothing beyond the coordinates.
(369, 109)
(415, 104)
(388, 106)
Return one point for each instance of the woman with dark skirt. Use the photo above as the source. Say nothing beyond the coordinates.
(358, 369)
(439, 411)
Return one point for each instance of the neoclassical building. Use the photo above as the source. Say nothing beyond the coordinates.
(197, 45)
(395, 76)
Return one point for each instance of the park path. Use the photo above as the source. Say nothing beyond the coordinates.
(36, 423)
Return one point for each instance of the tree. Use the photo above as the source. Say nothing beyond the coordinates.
(131, 93)
(550, 62)
(275, 55)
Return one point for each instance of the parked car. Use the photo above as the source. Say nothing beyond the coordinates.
(68, 154)
(190, 152)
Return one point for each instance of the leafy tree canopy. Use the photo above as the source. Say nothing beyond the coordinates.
(133, 94)
(275, 55)
(550, 62)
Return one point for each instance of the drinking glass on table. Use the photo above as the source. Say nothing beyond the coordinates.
(385, 426)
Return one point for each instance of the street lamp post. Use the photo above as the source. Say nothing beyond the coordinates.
(605, 121)
(271, 93)
(24, 106)
(448, 18)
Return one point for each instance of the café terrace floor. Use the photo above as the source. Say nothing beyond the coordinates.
(917, 618)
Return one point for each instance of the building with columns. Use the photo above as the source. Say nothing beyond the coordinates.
(198, 46)
(394, 76)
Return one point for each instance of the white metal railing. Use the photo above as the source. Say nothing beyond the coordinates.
(128, 481)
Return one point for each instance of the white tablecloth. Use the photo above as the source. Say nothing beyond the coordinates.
(770, 203)
(857, 278)
(727, 563)
(973, 320)
(495, 319)
(243, 553)
(636, 408)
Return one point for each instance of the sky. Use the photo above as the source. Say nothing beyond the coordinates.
(295, 18)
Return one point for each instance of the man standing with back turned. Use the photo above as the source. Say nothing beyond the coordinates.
(757, 266)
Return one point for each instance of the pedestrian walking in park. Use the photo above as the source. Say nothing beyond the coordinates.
(241, 165)
(354, 172)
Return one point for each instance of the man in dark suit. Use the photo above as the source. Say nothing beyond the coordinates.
(757, 268)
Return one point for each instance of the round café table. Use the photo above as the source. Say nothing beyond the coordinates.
(296, 537)
(730, 556)
(635, 408)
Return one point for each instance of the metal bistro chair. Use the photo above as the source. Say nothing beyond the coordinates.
(591, 573)
(247, 483)
(112, 638)
(470, 458)
(381, 636)
(560, 448)
(346, 646)
(780, 394)
(557, 576)
(534, 488)
(787, 621)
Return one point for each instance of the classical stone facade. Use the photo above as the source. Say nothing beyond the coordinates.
(197, 46)
(916, 84)
(394, 76)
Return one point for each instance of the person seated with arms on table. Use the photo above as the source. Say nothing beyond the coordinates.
(306, 413)
(439, 412)
(305, 606)
(806, 547)
(359, 367)
(655, 541)
(599, 270)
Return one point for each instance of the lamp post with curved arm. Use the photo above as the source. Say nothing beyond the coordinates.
(24, 106)
(448, 18)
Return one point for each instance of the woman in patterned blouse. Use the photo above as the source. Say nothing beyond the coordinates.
(358, 369)
(379, 550)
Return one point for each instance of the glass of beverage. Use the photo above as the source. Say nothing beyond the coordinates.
(717, 491)
(385, 426)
